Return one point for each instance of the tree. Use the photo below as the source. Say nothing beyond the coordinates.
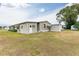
(0, 27)
(69, 15)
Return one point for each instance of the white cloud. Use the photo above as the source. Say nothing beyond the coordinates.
(51, 17)
(69, 4)
(16, 15)
(12, 15)
(42, 10)
(21, 5)
(13, 1)
(17, 5)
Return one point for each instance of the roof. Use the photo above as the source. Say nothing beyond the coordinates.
(55, 24)
(31, 22)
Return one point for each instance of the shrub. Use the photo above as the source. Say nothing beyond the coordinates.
(12, 30)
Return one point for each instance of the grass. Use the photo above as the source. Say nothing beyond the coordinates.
(43, 44)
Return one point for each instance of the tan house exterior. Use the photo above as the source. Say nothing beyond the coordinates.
(33, 27)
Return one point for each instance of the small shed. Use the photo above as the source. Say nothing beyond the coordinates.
(56, 27)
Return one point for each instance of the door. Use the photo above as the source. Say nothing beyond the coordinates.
(30, 29)
(38, 29)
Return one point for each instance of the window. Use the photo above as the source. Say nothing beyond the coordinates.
(17, 27)
(33, 26)
(44, 25)
(21, 27)
(30, 26)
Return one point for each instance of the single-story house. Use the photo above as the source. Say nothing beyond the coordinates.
(33, 27)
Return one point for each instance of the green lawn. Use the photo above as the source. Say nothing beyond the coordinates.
(46, 43)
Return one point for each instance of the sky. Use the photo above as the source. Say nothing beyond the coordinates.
(13, 13)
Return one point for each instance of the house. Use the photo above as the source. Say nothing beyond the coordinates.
(5, 27)
(73, 28)
(33, 27)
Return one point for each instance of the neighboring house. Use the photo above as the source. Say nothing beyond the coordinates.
(5, 27)
(33, 27)
(73, 28)
(14, 27)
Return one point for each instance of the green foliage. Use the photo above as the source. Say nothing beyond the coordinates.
(12, 30)
(0, 27)
(69, 15)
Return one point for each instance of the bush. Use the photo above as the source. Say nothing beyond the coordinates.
(12, 30)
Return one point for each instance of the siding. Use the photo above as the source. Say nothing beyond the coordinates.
(24, 28)
(56, 27)
(42, 28)
(34, 27)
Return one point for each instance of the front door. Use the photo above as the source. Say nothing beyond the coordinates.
(30, 29)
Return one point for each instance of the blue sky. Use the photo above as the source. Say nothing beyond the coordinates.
(12, 13)
(40, 9)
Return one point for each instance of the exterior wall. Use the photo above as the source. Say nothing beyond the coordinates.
(33, 27)
(56, 27)
(25, 28)
(43, 26)
(22, 28)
